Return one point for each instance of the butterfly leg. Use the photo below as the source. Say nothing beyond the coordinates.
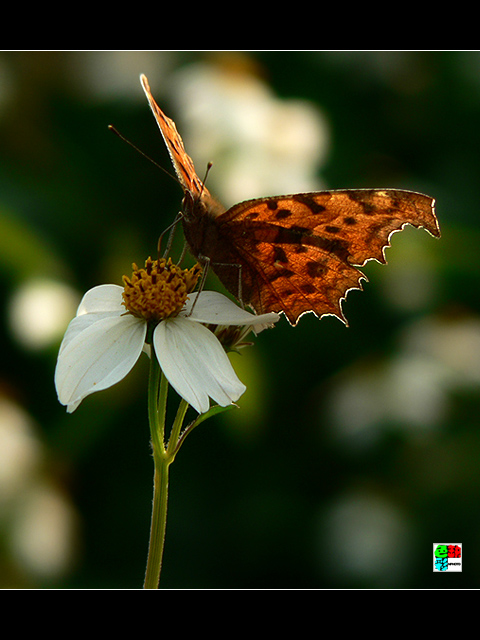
(172, 227)
(182, 255)
(239, 283)
(205, 262)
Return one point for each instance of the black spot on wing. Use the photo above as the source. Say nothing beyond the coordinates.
(309, 201)
(282, 214)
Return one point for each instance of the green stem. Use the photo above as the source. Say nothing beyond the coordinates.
(163, 456)
(159, 523)
(175, 433)
(157, 400)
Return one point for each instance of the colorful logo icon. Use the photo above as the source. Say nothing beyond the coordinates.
(447, 557)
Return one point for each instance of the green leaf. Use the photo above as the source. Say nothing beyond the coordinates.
(213, 411)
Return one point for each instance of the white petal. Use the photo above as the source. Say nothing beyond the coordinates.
(195, 364)
(81, 323)
(105, 297)
(97, 352)
(215, 308)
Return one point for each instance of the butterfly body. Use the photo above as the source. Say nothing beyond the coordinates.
(294, 253)
(198, 221)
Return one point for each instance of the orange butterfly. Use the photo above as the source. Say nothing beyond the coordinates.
(295, 253)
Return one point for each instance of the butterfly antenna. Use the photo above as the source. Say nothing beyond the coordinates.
(159, 166)
(207, 171)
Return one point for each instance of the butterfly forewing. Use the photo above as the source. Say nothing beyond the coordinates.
(182, 163)
(199, 199)
(296, 253)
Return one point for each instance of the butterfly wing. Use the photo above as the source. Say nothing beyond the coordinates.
(290, 254)
(181, 161)
(300, 253)
(198, 201)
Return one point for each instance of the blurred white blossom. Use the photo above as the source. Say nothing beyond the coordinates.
(413, 388)
(259, 144)
(39, 522)
(39, 311)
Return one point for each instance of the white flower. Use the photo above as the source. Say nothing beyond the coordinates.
(103, 343)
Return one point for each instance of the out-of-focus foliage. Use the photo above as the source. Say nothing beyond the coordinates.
(354, 449)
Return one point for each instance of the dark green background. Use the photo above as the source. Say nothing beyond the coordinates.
(250, 492)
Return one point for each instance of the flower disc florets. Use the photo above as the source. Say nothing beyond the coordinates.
(159, 290)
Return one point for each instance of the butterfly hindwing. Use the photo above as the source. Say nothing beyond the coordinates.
(285, 277)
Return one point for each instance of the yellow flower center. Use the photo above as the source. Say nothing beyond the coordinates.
(159, 290)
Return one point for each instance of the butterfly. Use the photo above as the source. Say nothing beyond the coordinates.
(293, 253)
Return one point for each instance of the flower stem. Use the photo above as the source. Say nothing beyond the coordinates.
(163, 456)
(157, 400)
(159, 522)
